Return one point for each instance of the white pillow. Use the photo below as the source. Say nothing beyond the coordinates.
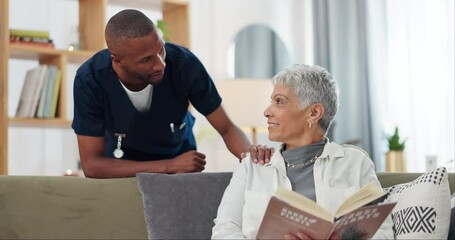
(423, 206)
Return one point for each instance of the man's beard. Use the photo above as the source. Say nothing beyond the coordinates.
(149, 79)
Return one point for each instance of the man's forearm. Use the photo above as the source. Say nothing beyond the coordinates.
(236, 141)
(114, 168)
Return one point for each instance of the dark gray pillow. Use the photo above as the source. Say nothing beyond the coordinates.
(181, 206)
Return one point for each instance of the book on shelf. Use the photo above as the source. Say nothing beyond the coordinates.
(54, 85)
(29, 33)
(37, 91)
(14, 38)
(30, 93)
(30, 38)
(26, 93)
(46, 91)
(55, 94)
(40, 109)
(359, 215)
(35, 44)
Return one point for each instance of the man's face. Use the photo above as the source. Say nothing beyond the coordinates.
(143, 60)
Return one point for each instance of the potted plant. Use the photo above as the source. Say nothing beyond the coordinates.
(396, 157)
(161, 25)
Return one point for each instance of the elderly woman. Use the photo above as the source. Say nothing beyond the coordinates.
(303, 105)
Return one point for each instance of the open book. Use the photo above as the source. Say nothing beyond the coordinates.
(360, 215)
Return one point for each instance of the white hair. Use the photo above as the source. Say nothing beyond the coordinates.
(312, 84)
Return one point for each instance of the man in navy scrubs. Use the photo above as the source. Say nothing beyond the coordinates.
(131, 104)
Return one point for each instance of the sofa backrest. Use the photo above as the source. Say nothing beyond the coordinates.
(388, 179)
(45, 207)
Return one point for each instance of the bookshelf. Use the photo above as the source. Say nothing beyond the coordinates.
(92, 18)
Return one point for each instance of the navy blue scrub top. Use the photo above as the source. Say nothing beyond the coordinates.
(102, 107)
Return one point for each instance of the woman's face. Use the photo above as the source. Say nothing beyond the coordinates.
(286, 120)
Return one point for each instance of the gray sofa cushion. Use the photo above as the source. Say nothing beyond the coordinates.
(181, 206)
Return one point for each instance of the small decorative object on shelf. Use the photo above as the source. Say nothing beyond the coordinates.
(396, 157)
(74, 36)
(70, 172)
(75, 173)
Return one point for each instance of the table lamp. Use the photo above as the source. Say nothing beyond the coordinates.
(244, 100)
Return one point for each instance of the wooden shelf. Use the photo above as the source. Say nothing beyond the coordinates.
(4, 50)
(169, 5)
(40, 123)
(176, 17)
(42, 53)
(138, 4)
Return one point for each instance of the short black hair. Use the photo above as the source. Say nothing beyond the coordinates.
(129, 24)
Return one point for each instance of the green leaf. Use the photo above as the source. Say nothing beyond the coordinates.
(161, 25)
(395, 143)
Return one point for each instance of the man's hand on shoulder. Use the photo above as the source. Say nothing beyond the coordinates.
(260, 154)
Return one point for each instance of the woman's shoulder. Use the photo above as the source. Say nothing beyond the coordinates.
(344, 150)
(356, 149)
(247, 162)
(351, 155)
(256, 168)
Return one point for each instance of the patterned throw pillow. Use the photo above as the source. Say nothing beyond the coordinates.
(423, 208)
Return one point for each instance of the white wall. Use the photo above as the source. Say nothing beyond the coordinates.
(214, 25)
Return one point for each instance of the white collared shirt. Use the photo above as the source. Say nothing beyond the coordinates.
(338, 172)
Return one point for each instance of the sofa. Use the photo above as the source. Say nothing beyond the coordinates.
(64, 207)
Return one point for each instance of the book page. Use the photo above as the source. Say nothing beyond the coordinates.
(362, 197)
(301, 202)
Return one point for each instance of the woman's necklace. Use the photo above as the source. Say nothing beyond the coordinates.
(302, 165)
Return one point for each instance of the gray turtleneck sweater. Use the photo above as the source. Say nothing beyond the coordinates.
(302, 179)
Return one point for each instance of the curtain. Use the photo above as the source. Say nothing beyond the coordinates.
(394, 61)
(418, 88)
(341, 46)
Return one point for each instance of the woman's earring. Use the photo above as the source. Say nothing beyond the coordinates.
(309, 124)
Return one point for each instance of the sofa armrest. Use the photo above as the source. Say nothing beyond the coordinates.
(57, 207)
